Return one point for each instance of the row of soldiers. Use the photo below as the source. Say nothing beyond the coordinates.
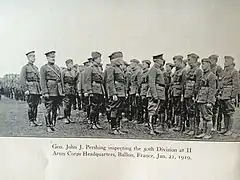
(153, 95)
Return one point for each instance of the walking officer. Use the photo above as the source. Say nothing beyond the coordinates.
(192, 85)
(206, 98)
(228, 93)
(156, 94)
(30, 83)
(52, 89)
(95, 89)
(115, 81)
(69, 76)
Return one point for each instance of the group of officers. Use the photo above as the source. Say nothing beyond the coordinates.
(162, 96)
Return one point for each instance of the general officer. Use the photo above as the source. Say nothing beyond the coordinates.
(217, 110)
(177, 88)
(156, 94)
(69, 76)
(52, 89)
(95, 89)
(30, 83)
(192, 85)
(206, 98)
(116, 83)
(143, 92)
(228, 93)
(134, 87)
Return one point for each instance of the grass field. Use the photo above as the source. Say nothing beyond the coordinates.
(14, 123)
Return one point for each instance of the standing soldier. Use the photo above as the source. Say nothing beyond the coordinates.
(143, 92)
(30, 80)
(228, 93)
(206, 98)
(95, 89)
(69, 77)
(134, 85)
(156, 94)
(168, 79)
(80, 87)
(177, 87)
(193, 78)
(52, 89)
(115, 81)
(218, 71)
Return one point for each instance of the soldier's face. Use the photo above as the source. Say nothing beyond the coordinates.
(133, 65)
(205, 66)
(177, 63)
(145, 65)
(228, 62)
(168, 68)
(213, 61)
(98, 60)
(51, 59)
(70, 65)
(31, 58)
(191, 61)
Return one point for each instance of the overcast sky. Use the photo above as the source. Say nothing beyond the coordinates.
(138, 28)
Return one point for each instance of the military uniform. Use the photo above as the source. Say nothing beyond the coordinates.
(169, 104)
(217, 109)
(69, 77)
(95, 89)
(81, 89)
(206, 99)
(115, 81)
(52, 89)
(86, 102)
(30, 79)
(156, 95)
(177, 91)
(192, 85)
(227, 95)
(134, 87)
(144, 117)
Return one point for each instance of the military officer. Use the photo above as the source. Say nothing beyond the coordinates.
(95, 89)
(134, 84)
(79, 86)
(228, 93)
(116, 84)
(192, 84)
(156, 94)
(86, 101)
(168, 79)
(69, 76)
(30, 82)
(177, 88)
(52, 89)
(143, 92)
(218, 71)
(206, 98)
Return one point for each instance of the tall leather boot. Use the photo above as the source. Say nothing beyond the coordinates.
(151, 127)
(48, 123)
(229, 126)
(208, 130)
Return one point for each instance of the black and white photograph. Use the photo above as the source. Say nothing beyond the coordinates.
(148, 70)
